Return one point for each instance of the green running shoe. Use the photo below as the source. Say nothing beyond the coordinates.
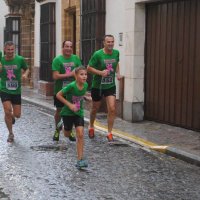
(56, 135)
(72, 137)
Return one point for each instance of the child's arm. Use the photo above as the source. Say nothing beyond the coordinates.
(61, 98)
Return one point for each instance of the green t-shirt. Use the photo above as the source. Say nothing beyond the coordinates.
(64, 65)
(75, 96)
(11, 74)
(102, 61)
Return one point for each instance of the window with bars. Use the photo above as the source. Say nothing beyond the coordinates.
(12, 32)
(92, 28)
(47, 40)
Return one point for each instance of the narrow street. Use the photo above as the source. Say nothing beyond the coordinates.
(36, 168)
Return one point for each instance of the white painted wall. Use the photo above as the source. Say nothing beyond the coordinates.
(37, 30)
(128, 18)
(3, 11)
(37, 35)
(115, 18)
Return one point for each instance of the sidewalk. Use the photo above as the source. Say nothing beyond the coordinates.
(177, 142)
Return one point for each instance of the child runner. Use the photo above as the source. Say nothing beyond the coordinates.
(72, 113)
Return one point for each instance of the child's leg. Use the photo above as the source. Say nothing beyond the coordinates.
(80, 141)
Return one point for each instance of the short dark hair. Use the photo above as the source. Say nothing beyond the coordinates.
(63, 44)
(77, 69)
(108, 35)
(9, 43)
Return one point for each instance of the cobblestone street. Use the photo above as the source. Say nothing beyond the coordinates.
(34, 167)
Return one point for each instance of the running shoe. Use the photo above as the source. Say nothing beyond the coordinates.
(56, 135)
(110, 137)
(72, 137)
(81, 164)
(91, 133)
(10, 138)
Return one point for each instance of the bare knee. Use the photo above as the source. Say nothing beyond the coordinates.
(95, 107)
(8, 112)
(80, 136)
(112, 111)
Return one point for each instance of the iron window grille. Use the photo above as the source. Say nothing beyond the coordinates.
(47, 40)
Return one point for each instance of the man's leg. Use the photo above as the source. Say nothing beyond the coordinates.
(8, 110)
(93, 112)
(57, 116)
(57, 119)
(111, 106)
(16, 111)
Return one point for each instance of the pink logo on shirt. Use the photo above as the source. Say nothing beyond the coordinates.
(67, 70)
(109, 67)
(10, 74)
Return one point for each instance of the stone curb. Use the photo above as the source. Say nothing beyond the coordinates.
(183, 155)
(171, 151)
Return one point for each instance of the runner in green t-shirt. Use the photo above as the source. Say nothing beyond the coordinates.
(72, 113)
(12, 66)
(104, 64)
(63, 73)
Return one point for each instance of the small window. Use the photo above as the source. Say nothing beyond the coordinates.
(12, 31)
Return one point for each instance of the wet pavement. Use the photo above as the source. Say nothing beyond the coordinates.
(175, 141)
(36, 168)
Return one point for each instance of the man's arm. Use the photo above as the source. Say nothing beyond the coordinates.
(25, 74)
(118, 72)
(92, 70)
(57, 75)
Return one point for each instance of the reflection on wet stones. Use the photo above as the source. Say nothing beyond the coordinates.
(49, 148)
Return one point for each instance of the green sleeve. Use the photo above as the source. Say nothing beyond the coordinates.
(55, 64)
(0, 55)
(93, 62)
(66, 89)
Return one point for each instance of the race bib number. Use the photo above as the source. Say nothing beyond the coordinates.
(107, 80)
(11, 85)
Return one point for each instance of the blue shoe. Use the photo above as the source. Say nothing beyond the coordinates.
(81, 164)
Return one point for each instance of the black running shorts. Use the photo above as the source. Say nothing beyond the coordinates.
(97, 94)
(69, 121)
(15, 99)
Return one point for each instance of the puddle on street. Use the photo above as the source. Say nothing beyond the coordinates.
(49, 148)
